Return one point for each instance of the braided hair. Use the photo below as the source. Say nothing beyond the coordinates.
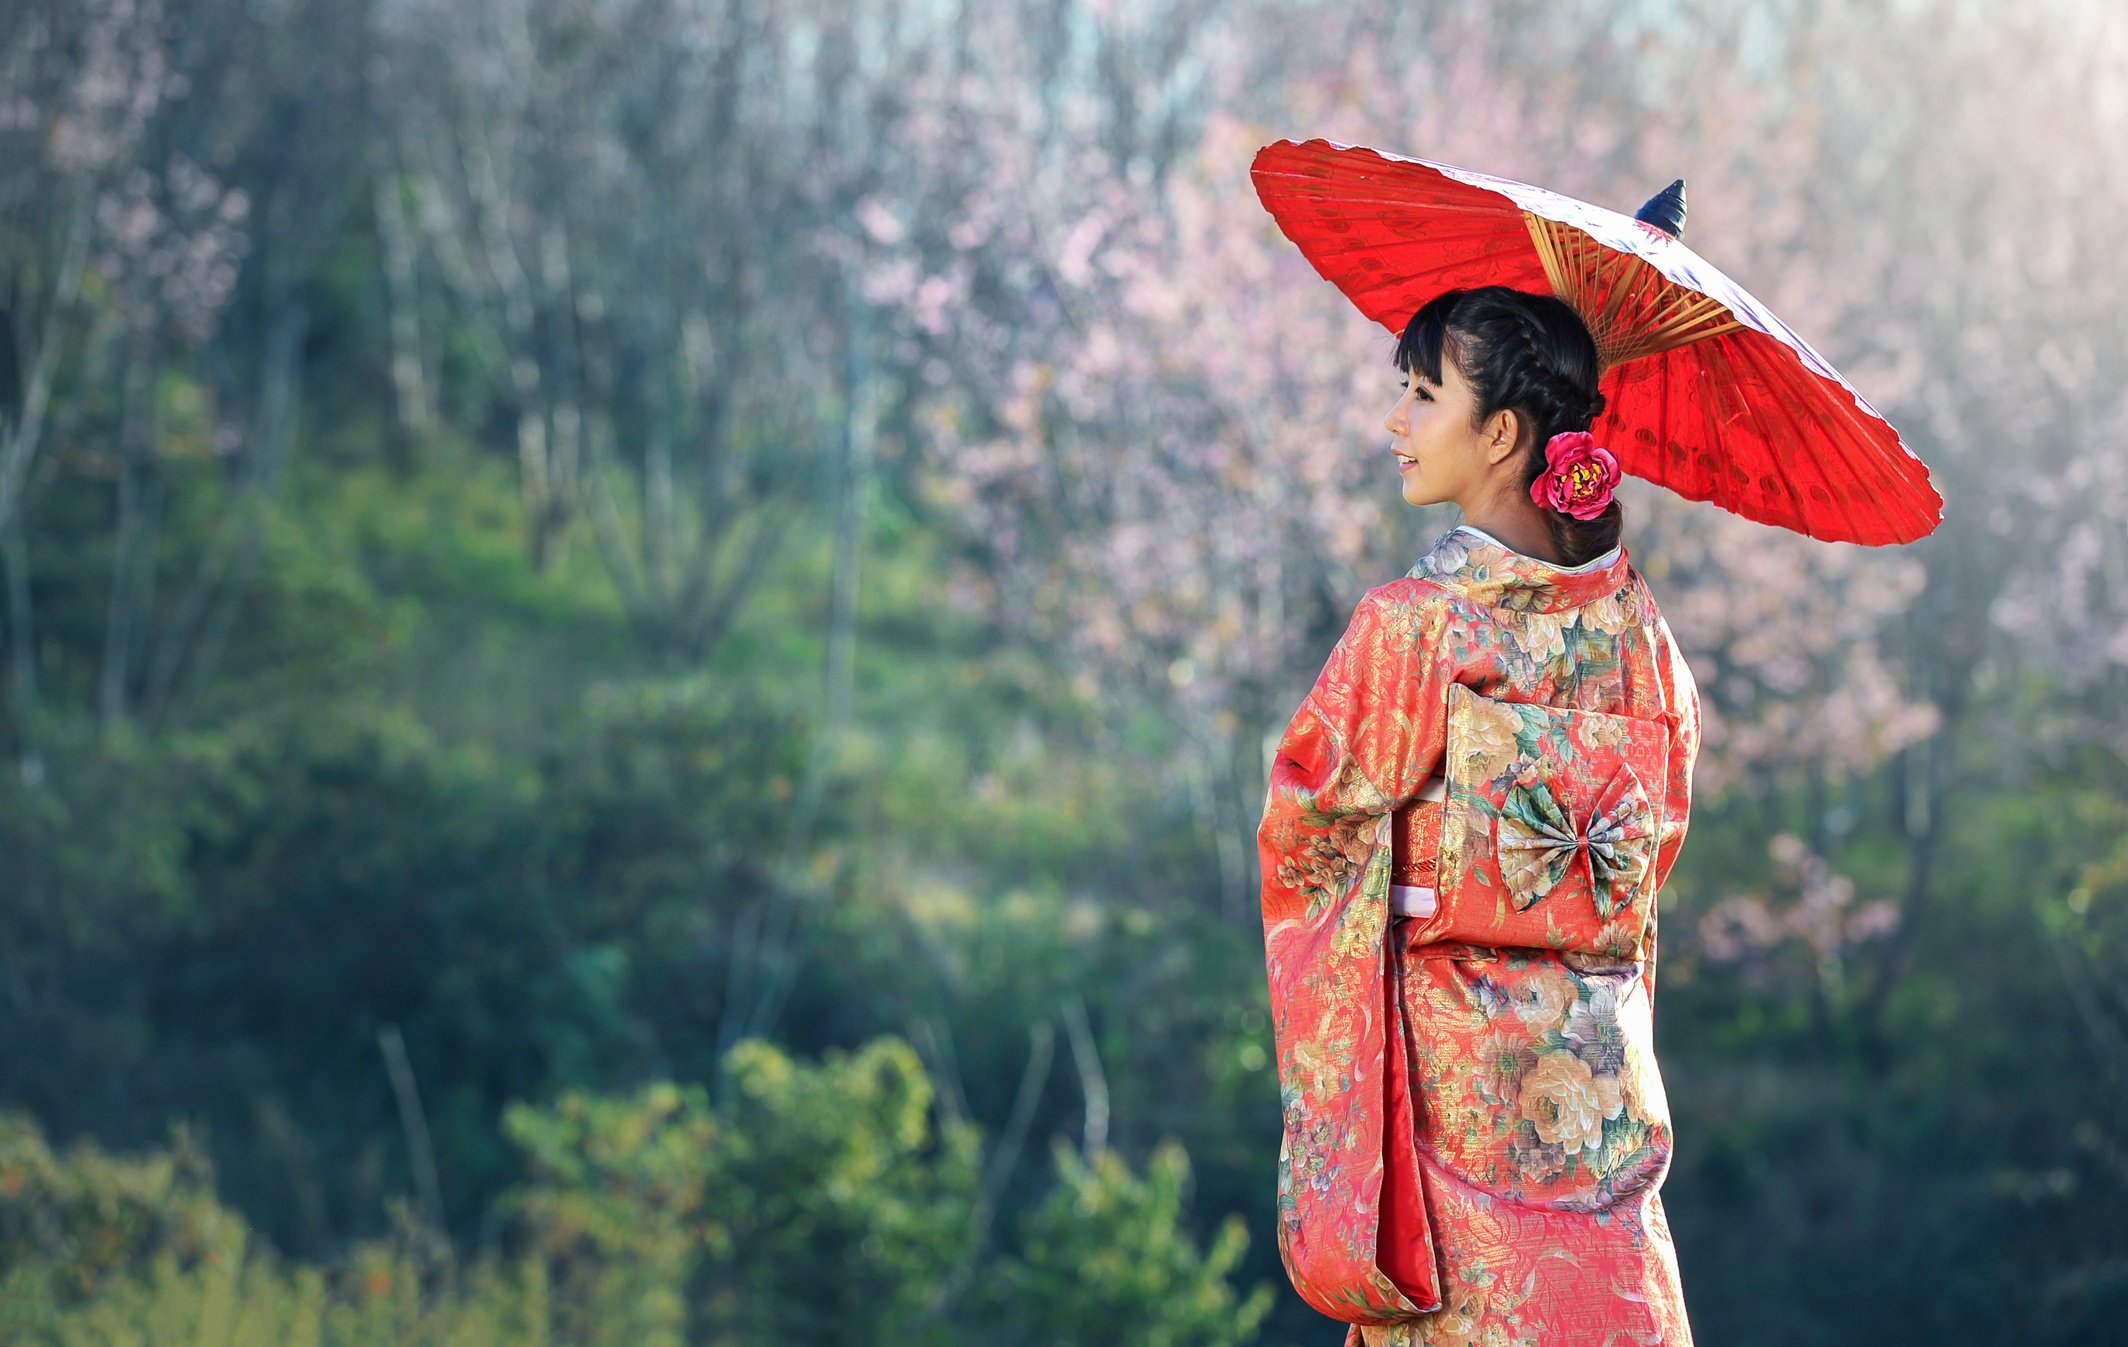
(1526, 351)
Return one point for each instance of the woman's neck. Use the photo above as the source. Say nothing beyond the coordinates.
(1596, 563)
(1521, 530)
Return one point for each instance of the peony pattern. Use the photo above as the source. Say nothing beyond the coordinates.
(1565, 1103)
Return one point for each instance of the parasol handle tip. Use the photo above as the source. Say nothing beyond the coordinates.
(1666, 210)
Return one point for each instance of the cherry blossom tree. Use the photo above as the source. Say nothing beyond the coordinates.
(1166, 436)
(82, 84)
(78, 88)
(127, 255)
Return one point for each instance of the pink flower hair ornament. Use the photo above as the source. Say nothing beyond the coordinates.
(1578, 475)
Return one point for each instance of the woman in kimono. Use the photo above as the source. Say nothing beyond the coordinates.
(1468, 822)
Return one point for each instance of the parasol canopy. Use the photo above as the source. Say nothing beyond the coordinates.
(1706, 391)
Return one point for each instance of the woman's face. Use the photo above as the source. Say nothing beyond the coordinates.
(1440, 456)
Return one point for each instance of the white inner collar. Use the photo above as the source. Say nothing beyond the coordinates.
(1595, 564)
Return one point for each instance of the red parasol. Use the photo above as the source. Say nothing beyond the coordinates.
(1707, 392)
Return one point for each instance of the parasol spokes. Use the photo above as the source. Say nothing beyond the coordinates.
(1629, 309)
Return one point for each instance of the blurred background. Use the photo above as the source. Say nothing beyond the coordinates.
(638, 640)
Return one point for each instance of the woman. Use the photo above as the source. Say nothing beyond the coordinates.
(1467, 824)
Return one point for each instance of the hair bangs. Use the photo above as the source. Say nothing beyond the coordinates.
(1418, 350)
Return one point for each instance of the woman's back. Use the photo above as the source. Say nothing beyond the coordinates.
(1475, 1129)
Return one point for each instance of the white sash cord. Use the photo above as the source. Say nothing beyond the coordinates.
(1413, 900)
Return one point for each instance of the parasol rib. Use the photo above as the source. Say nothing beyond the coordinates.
(1599, 283)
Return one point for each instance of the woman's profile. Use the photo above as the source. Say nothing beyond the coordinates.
(1468, 822)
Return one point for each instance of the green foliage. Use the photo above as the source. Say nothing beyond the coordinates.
(1106, 1262)
(818, 1201)
(241, 1295)
(615, 1207)
(69, 1223)
(838, 1212)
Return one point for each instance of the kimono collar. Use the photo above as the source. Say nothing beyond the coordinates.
(1478, 566)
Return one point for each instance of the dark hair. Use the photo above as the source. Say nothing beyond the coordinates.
(1526, 351)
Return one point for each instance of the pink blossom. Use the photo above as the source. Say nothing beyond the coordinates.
(1579, 475)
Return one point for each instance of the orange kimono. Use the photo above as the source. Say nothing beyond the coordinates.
(1475, 1130)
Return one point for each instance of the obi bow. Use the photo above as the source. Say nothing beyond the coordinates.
(1539, 839)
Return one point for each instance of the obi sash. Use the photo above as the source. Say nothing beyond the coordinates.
(1548, 831)
(1545, 841)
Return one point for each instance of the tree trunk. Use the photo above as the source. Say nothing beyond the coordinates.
(139, 500)
(21, 627)
(22, 427)
(765, 960)
(413, 405)
(199, 626)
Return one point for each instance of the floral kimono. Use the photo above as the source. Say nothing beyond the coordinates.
(1475, 1130)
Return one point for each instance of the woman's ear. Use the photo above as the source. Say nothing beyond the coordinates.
(1502, 431)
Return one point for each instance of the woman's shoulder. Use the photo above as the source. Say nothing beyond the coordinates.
(1681, 689)
(1411, 591)
(1408, 600)
(1641, 595)
(1398, 620)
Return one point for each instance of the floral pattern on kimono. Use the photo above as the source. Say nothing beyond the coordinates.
(1475, 1131)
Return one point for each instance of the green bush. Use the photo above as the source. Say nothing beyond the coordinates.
(813, 1202)
(1106, 1262)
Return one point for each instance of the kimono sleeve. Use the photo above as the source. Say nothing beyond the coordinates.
(1681, 696)
(1352, 1226)
(1364, 740)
